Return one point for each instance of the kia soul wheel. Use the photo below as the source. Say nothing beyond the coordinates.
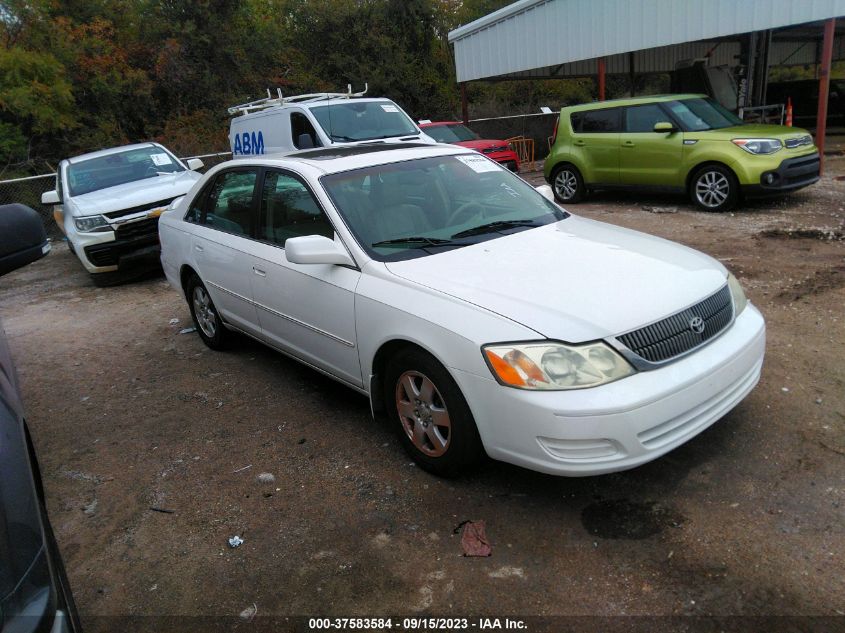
(714, 188)
(567, 184)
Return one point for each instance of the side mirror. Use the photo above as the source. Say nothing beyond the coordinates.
(50, 197)
(316, 249)
(22, 237)
(665, 126)
(195, 163)
(546, 192)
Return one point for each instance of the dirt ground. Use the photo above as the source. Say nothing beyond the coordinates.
(129, 416)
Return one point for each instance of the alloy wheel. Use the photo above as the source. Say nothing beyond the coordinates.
(204, 311)
(712, 189)
(423, 414)
(566, 184)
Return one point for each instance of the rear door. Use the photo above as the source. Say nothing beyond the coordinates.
(595, 145)
(221, 244)
(306, 310)
(647, 157)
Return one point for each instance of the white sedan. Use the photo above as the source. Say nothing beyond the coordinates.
(475, 313)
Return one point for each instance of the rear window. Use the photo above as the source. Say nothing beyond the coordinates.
(600, 121)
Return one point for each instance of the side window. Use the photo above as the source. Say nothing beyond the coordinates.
(575, 120)
(299, 125)
(601, 121)
(289, 210)
(228, 204)
(642, 118)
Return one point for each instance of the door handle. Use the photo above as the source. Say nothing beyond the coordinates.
(259, 272)
(579, 142)
(198, 248)
(628, 144)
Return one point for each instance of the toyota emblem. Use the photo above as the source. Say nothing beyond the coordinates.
(696, 324)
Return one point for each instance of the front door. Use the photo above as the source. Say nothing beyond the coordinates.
(647, 157)
(306, 310)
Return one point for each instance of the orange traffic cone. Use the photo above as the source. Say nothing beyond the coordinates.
(789, 111)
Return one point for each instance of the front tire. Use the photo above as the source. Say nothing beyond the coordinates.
(427, 409)
(568, 184)
(206, 318)
(714, 188)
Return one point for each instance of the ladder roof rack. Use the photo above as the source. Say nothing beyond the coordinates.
(270, 101)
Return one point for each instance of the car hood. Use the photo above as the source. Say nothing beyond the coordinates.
(481, 144)
(751, 130)
(576, 280)
(134, 194)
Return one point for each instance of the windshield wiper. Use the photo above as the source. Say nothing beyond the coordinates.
(492, 227)
(418, 239)
(346, 139)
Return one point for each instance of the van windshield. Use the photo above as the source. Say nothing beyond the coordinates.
(697, 115)
(120, 168)
(348, 121)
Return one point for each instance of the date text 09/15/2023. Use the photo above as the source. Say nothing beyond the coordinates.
(418, 624)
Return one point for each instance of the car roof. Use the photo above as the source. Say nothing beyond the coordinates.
(110, 150)
(329, 160)
(615, 103)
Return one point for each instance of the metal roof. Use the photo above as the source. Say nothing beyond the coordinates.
(544, 38)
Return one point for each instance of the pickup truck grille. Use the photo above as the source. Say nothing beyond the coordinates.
(674, 335)
(133, 230)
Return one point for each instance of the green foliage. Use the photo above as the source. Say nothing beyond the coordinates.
(35, 99)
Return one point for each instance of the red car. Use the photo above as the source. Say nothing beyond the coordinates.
(457, 133)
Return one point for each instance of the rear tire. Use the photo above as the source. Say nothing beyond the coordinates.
(714, 188)
(207, 320)
(428, 410)
(568, 184)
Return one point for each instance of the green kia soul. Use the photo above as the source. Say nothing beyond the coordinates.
(684, 143)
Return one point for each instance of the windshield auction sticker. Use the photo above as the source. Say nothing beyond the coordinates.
(478, 163)
(390, 108)
(159, 160)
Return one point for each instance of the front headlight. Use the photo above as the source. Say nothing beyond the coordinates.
(548, 365)
(758, 145)
(737, 294)
(92, 223)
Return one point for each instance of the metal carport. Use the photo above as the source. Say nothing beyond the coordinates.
(547, 39)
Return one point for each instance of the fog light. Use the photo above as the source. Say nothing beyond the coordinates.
(769, 178)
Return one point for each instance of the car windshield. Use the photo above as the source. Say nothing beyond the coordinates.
(425, 206)
(451, 133)
(119, 168)
(697, 115)
(350, 120)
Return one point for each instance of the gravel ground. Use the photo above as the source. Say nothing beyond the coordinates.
(129, 416)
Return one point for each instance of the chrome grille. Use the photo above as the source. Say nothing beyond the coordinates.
(798, 141)
(674, 336)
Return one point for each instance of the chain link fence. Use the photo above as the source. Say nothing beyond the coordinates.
(28, 190)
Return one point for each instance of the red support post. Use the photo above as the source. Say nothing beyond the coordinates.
(464, 104)
(824, 85)
(601, 78)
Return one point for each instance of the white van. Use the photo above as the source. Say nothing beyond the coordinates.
(285, 124)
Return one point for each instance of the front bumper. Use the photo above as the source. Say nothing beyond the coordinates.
(790, 175)
(625, 423)
(507, 159)
(131, 246)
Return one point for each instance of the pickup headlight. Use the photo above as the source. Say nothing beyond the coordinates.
(737, 294)
(92, 223)
(758, 145)
(546, 365)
